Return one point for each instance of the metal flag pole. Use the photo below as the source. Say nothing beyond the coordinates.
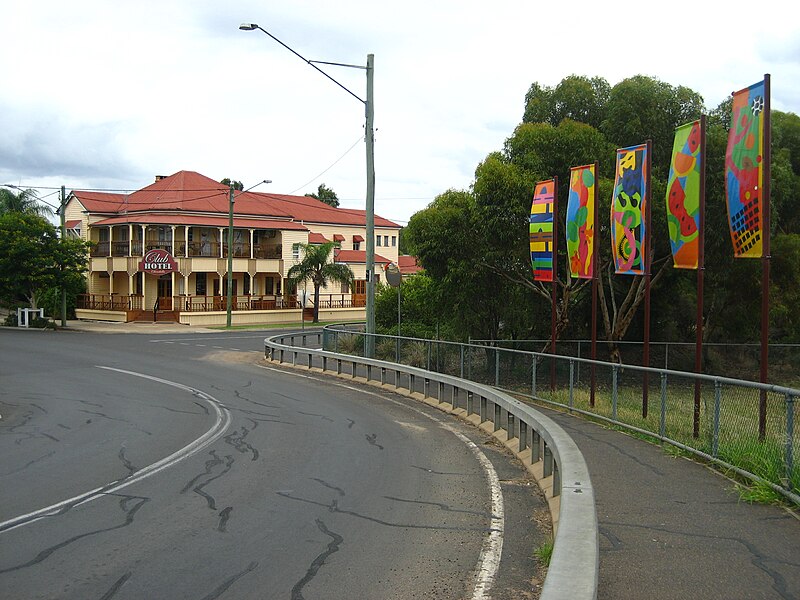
(701, 260)
(595, 281)
(765, 259)
(648, 261)
(554, 286)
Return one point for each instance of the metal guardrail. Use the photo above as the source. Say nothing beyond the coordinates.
(743, 426)
(574, 565)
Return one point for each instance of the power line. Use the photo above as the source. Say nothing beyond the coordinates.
(358, 139)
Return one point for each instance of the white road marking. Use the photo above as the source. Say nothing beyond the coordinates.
(221, 424)
(492, 549)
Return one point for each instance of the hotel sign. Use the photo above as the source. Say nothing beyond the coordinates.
(158, 262)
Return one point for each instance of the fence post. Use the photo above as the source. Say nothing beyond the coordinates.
(578, 374)
(469, 362)
(428, 367)
(717, 402)
(571, 383)
(533, 375)
(789, 459)
(497, 367)
(461, 346)
(614, 375)
(663, 426)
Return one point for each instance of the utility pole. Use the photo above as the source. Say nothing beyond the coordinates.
(230, 256)
(63, 238)
(369, 106)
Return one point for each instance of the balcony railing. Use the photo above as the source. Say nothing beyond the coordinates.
(273, 252)
(204, 249)
(240, 249)
(120, 248)
(246, 302)
(109, 302)
(100, 249)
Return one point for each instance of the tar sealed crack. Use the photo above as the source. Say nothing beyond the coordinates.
(333, 546)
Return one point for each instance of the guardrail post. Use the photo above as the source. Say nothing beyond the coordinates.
(425, 386)
(354, 363)
(310, 357)
(536, 446)
(383, 375)
(511, 424)
(470, 403)
(410, 383)
(614, 391)
(440, 392)
(717, 402)
(547, 469)
(324, 363)
(294, 356)
(571, 385)
(789, 458)
(338, 366)
(663, 424)
(369, 372)
(454, 396)
(484, 409)
(523, 435)
(498, 416)
(497, 367)
(556, 480)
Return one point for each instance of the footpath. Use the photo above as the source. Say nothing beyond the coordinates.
(670, 528)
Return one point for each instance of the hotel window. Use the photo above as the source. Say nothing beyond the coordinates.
(378, 241)
(394, 241)
(386, 241)
(356, 245)
(200, 283)
(296, 251)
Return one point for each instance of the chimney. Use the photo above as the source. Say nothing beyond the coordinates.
(160, 177)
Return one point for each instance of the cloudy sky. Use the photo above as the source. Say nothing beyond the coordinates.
(101, 94)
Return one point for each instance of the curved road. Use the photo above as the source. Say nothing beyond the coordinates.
(181, 466)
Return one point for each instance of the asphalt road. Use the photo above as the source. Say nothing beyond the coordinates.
(181, 466)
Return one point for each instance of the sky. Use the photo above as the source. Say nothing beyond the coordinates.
(107, 95)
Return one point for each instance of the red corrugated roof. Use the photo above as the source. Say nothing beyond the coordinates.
(408, 264)
(73, 224)
(317, 238)
(188, 191)
(357, 256)
(173, 219)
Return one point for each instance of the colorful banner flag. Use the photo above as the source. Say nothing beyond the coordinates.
(541, 230)
(580, 221)
(628, 210)
(744, 171)
(683, 195)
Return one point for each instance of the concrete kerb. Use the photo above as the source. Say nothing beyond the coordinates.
(574, 565)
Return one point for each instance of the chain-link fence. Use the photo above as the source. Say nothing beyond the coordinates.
(744, 426)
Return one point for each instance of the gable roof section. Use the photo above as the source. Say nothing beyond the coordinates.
(408, 264)
(202, 221)
(189, 191)
(356, 257)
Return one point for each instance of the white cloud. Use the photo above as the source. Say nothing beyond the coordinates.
(101, 94)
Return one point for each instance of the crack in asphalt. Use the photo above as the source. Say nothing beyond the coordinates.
(210, 464)
(338, 490)
(758, 559)
(117, 585)
(427, 470)
(334, 508)
(443, 507)
(105, 416)
(317, 563)
(371, 439)
(350, 423)
(323, 417)
(224, 515)
(28, 464)
(47, 552)
(127, 463)
(223, 587)
(246, 399)
(237, 440)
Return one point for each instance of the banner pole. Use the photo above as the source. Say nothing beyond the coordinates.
(595, 274)
(765, 259)
(554, 287)
(701, 262)
(647, 263)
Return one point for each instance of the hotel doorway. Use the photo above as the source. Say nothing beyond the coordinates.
(165, 292)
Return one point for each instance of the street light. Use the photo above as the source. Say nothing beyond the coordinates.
(230, 247)
(369, 108)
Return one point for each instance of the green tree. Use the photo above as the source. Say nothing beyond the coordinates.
(237, 185)
(34, 259)
(314, 266)
(24, 201)
(326, 195)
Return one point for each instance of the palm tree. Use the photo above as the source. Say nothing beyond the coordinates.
(25, 201)
(315, 267)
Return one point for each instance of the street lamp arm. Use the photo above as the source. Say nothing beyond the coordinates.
(252, 26)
